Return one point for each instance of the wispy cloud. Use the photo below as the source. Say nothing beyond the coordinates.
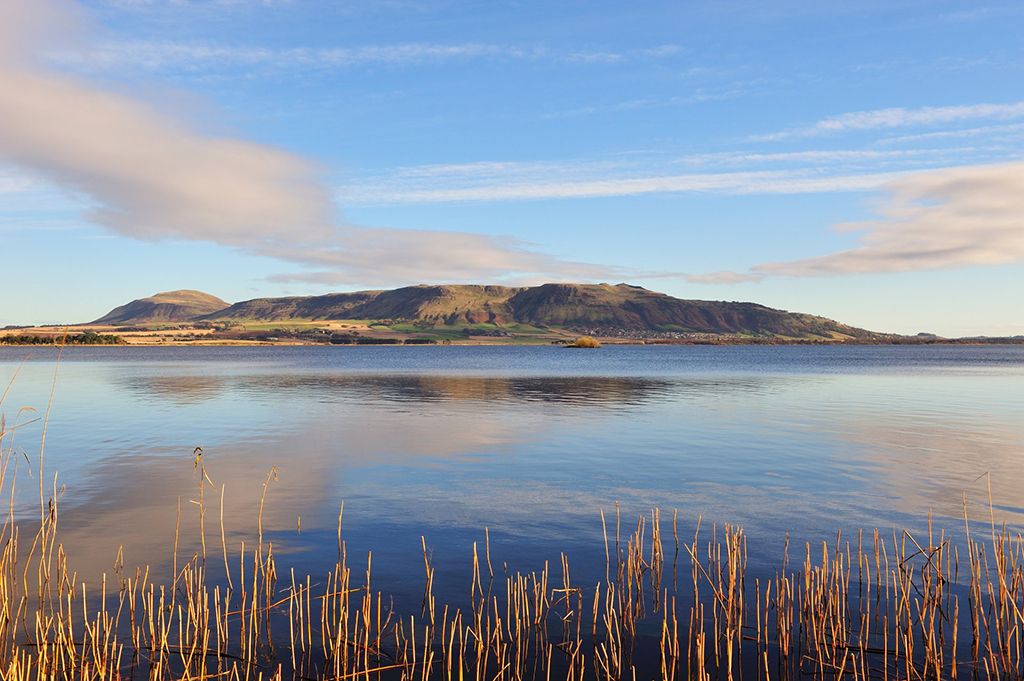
(662, 50)
(899, 117)
(592, 57)
(944, 219)
(696, 97)
(414, 256)
(147, 175)
(628, 105)
(227, 3)
(992, 131)
(165, 55)
(17, 183)
(763, 182)
(158, 56)
(809, 171)
(967, 15)
(835, 156)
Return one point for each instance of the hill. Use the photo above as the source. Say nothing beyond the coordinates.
(598, 307)
(601, 306)
(451, 304)
(172, 306)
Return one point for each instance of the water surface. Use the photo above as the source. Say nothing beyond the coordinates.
(530, 442)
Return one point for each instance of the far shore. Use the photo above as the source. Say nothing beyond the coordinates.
(363, 334)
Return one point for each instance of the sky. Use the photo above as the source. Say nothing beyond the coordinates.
(860, 161)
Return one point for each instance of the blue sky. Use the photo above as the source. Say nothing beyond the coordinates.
(862, 161)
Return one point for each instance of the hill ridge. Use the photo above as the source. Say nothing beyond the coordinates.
(584, 307)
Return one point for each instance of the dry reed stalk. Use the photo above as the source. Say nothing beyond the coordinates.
(826, 618)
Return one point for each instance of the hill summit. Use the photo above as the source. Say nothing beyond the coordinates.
(171, 306)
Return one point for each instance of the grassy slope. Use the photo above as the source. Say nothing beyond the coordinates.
(631, 307)
(448, 311)
(172, 306)
(444, 304)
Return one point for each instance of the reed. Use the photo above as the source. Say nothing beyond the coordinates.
(872, 607)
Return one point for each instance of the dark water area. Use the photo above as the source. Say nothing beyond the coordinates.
(531, 443)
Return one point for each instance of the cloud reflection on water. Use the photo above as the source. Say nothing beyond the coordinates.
(401, 449)
(534, 458)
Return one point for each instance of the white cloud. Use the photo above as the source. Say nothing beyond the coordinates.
(900, 117)
(763, 182)
(721, 277)
(146, 175)
(181, 56)
(152, 177)
(832, 156)
(943, 219)
(697, 97)
(966, 15)
(594, 57)
(628, 105)
(995, 132)
(809, 171)
(136, 3)
(386, 255)
(157, 56)
(662, 50)
(17, 183)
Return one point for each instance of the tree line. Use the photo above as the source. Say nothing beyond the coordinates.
(87, 338)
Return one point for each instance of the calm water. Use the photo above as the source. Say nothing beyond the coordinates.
(529, 442)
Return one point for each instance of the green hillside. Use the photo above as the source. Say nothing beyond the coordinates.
(601, 307)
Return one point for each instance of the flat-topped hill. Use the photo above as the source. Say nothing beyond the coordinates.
(597, 306)
(635, 308)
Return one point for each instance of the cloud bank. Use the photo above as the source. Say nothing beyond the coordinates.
(939, 220)
(368, 255)
(151, 177)
(147, 175)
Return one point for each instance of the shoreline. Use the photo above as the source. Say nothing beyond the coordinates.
(498, 343)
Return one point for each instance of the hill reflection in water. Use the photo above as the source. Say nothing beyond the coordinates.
(610, 392)
(795, 441)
